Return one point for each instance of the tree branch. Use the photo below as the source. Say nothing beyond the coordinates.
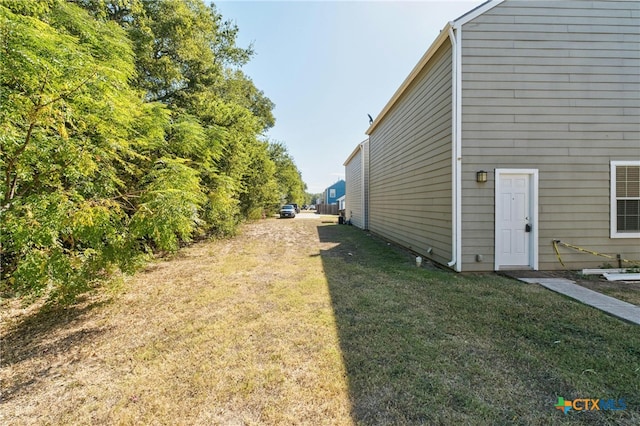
(11, 183)
(66, 95)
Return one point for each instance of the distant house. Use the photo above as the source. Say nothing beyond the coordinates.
(518, 127)
(332, 193)
(356, 176)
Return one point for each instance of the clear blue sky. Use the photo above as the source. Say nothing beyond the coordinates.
(326, 65)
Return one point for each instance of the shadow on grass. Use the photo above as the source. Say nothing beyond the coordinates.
(433, 347)
(38, 338)
(387, 378)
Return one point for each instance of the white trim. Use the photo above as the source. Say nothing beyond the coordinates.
(473, 14)
(613, 208)
(444, 34)
(533, 207)
(456, 148)
(458, 141)
(365, 184)
(355, 151)
(454, 163)
(362, 183)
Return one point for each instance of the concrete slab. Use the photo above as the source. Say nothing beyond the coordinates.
(621, 277)
(611, 305)
(543, 281)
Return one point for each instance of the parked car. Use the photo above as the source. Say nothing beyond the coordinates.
(287, 211)
(295, 206)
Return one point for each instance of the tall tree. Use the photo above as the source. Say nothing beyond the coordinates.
(126, 126)
(291, 187)
(65, 125)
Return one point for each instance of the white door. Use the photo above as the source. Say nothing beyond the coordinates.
(515, 220)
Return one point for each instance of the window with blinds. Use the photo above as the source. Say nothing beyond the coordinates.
(625, 199)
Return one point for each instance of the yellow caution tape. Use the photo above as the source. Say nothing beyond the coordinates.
(555, 247)
(583, 250)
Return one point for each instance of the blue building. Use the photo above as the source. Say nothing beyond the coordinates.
(335, 191)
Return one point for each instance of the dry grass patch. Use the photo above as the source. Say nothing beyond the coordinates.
(227, 332)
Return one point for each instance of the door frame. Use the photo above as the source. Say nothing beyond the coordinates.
(533, 214)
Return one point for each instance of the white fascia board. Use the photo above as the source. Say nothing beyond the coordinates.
(444, 34)
(473, 14)
(355, 151)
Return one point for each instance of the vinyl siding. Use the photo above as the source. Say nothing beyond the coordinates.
(365, 186)
(410, 164)
(354, 191)
(553, 86)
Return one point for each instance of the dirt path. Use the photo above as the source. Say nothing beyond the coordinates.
(229, 332)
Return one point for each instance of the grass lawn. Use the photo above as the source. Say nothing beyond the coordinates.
(304, 322)
(432, 347)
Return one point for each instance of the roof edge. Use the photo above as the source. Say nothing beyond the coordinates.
(475, 12)
(444, 34)
(355, 151)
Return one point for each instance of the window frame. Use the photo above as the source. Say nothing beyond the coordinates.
(614, 204)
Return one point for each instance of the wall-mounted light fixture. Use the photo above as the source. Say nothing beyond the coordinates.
(481, 176)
